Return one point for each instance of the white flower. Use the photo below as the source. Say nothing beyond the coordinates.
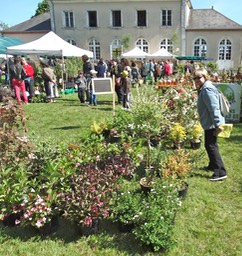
(32, 156)
(38, 224)
(23, 139)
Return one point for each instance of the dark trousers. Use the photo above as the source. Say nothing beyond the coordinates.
(29, 84)
(81, 94)
(119, 92)
(215, 161)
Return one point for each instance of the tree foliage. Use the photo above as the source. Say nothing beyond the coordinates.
(43, 7)
(3, 26)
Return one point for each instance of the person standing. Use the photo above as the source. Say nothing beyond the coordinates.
(126, 87)
(17, 76)
(134, 74)
(101, 68)
(144, 71)
(211, 120)
(92, 96)
(116, 70)
(168, 68)
(87, 67)
(29, 78)
(81, 82)
(49, 81)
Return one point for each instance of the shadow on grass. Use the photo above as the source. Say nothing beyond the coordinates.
(70, 233)
(66, 128)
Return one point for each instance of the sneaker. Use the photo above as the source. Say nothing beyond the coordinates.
(206, 168)
(218, 178)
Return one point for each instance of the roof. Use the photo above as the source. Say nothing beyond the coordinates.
(204, 19)
(7, 41)
(38, 23)
(49, 44)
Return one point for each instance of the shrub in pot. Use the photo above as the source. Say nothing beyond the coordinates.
(155, 221)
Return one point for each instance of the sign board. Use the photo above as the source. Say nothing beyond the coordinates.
(233, 94)
(102, 86)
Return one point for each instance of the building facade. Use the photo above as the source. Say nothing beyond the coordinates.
(112, 27)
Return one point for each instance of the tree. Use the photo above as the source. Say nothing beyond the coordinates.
(3, 26)
(43, 7)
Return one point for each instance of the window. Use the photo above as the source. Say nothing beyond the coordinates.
(200, 48)
(94, 46)
(92, 19)
(141, 18)
(167, 44)
(225, 48)
(69, 19)
(116, 49)
(142, 44)
(116, 19)
(166, 18)
(70, 41)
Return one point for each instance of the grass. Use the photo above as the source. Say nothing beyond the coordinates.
(208, 223)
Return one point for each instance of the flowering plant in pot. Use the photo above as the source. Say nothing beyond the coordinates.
(96, 169)
(125, 208)
(100, 128)
(196, 135)
(177, 135)
(176, 168)
(148, 121)
(155, 222)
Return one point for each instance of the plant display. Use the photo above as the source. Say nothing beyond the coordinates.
(181, 106)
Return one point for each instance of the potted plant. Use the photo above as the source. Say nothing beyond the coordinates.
(148, 119)
(176, 168)
(196, 135)
(177, 135)
(100, 128)
(125, 208)
(155, 221)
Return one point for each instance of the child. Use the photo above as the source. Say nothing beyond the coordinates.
(81, 82)
(93, 98)
(126, 85)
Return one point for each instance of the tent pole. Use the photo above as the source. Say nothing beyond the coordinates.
(62, 74)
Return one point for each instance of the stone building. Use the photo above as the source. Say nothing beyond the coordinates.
(112, 27)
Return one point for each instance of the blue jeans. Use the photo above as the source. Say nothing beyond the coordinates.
(92, 99)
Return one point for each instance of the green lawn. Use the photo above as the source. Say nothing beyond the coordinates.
(208, 223)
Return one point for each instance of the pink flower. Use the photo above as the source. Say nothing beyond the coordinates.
(17, 222)
(88, 221)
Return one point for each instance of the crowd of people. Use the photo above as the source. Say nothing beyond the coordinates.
(22, 75)
(127, 74)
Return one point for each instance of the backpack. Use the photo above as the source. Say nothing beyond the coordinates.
(224, 104)
(134, 72)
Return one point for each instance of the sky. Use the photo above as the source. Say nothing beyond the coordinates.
(14, 12)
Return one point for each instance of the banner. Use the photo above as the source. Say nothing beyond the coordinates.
(233, 94)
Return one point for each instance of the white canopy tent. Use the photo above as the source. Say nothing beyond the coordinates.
(162, 54)
(136, 53)
(49, 44)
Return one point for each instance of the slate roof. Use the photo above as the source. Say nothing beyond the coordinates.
(37, 23)
(210, 19)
